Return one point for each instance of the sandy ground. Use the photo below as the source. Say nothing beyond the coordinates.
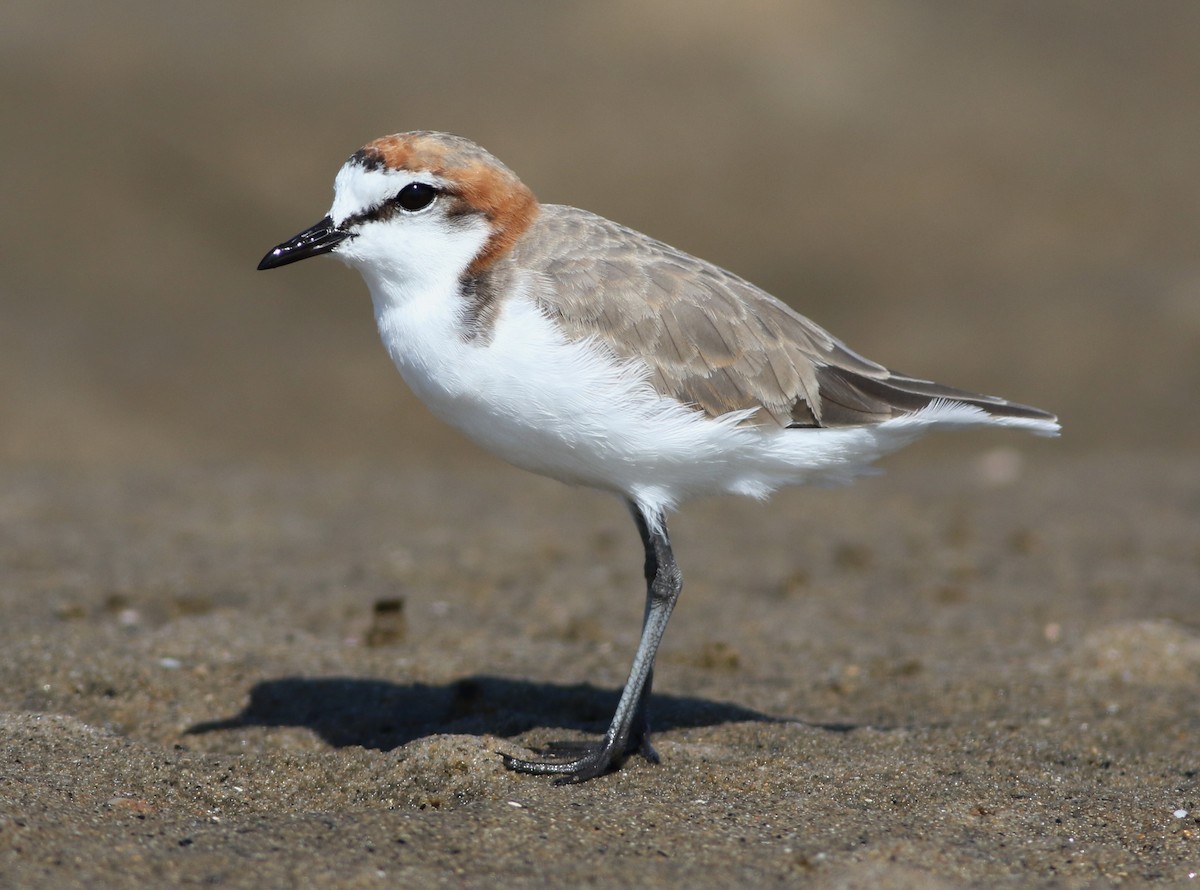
(937, 678)
(264, 623)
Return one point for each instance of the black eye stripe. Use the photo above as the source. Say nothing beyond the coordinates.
(389, 207)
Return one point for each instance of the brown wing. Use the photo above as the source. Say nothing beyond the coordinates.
(712, 339)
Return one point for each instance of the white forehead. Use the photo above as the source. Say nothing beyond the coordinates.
(357, 188)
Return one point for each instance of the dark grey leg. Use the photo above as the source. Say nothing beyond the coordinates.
(630, 727)
(639, 739)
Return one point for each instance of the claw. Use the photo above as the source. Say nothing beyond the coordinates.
(647, 750)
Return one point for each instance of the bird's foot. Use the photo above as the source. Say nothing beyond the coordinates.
(577, 761)
(568, 762)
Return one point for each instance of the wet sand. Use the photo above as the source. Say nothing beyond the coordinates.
(940, 677)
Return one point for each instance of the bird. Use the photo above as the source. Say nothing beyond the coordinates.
(580, 349)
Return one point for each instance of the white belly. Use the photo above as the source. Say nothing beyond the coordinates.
(566, 410)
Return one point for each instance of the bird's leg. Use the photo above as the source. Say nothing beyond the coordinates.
(639, 738)
(630, 727)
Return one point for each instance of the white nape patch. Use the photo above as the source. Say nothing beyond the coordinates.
(411, 252)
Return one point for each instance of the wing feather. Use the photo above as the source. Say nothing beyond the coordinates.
(710, 338)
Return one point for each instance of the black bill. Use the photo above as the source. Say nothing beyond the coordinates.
(313, 241)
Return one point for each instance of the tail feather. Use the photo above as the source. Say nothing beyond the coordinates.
(854, 399)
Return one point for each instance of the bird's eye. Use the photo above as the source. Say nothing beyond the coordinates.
(416, 196)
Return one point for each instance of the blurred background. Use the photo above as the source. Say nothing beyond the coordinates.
(1002, 196)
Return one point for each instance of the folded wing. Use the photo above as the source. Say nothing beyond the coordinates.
(712, 339)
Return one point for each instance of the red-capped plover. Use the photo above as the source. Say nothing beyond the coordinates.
(583, 350)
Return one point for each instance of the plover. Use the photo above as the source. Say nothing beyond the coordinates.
(586, 351)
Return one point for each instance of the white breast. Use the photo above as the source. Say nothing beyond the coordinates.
(566, 410)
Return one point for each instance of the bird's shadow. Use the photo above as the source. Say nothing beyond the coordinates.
(377, 714)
